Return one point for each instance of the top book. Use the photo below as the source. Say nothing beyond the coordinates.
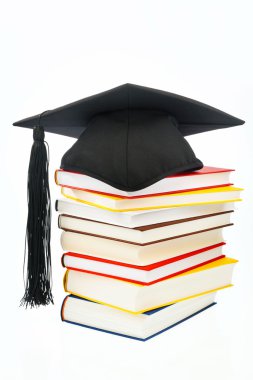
(207, 177)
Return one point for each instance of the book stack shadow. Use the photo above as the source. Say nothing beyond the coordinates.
(139, 263)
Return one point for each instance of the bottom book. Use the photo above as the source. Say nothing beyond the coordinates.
(82, 312)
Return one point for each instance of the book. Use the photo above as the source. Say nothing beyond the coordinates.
(144, 234)
(144, 275)
(139, 218)
(116, 204)
(135, 298)
(206, 177)
(136, 254)
(81, 312)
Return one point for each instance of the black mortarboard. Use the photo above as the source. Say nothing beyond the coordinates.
(129, 137)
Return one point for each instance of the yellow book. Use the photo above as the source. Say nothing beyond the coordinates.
(134, 298)
(189, 198)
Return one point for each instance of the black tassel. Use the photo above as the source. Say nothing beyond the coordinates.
(38, 282)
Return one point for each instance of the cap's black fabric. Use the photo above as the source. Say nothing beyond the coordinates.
(192, 116)
(131, 149)
(131, 136)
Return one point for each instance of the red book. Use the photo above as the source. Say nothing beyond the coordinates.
(205, 178)
(144, 275)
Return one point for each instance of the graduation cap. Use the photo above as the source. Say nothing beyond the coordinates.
(128, 137)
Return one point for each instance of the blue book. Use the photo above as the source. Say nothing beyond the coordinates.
(143, 326)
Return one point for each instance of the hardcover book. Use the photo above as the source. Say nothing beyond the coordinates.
(81, 312)
(137, 254)
(145, 234)
(139, 218)
(206, 177)
(145, 275)
(195, 197)
(137, 299)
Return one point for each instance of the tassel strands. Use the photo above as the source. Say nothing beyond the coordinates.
(38, 276)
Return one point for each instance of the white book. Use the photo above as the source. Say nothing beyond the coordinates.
(205, 177)
(139, 218)
(143, 326)
(135, 298)
(144, 234)
(207, 196)
(137, 254)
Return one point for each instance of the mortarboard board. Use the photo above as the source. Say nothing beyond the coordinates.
(129, 137)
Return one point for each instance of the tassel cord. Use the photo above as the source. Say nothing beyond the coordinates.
(37, 258)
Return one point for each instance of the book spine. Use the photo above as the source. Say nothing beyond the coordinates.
(62, 307)
(62, 260)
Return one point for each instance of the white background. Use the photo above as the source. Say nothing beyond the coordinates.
(56, 52)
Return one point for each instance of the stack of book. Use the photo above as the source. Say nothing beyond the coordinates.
(139, 263)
